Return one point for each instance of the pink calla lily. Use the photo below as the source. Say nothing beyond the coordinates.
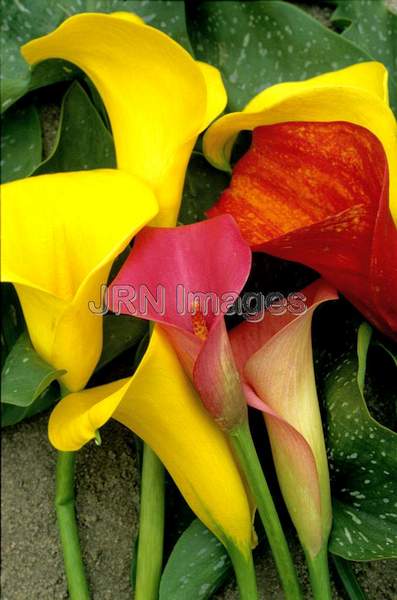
(274, 357)
(192, 274)
(207, 264)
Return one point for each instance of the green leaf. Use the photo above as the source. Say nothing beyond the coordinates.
(363, 456)
(12, 321)
(24, 20)
(203, 185)
(52, 71)
(140, 351)
(166, 15)
(363, 341)
(258, 44)
(391, 353)
(82, 141)
(120, 332)
(21, 21)
(97, 102)
(197, 566)
(25, 376)
(348, 579)
(21, 146)
(372, 25)
(11, 414)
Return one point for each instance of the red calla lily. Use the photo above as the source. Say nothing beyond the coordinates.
(318, 194)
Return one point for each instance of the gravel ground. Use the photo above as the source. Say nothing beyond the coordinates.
(108, 501)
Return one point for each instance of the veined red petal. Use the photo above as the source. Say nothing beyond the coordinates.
(317, 193)
(383, 267)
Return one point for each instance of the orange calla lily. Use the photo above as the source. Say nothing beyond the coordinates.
(356, 94)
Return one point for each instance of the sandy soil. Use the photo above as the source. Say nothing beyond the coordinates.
(108, 503)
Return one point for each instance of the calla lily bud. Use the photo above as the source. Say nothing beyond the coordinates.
(217, 380)
(275, 359)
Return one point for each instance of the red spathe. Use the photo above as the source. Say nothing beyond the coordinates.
(317, 193)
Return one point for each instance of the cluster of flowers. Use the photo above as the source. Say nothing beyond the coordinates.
(317, 186)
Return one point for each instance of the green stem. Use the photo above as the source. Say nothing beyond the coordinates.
(151, 527)
(319, 575)
(245, 573)
(64, 504)
(241, 440)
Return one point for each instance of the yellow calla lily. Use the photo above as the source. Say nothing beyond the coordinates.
(159, 404)
(158, 98)
(357, 94)
(58, 245)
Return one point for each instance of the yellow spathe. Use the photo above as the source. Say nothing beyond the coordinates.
(60, 235)
(158, 98)
(160, 405)
(357, 94)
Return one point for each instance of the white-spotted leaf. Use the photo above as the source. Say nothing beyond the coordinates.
(21, 145)
(373, 26)
(25, 375)
(197, 566)
(363, 457)
(258, 44)
(203, 185)
(11, 414)
(24, 20)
